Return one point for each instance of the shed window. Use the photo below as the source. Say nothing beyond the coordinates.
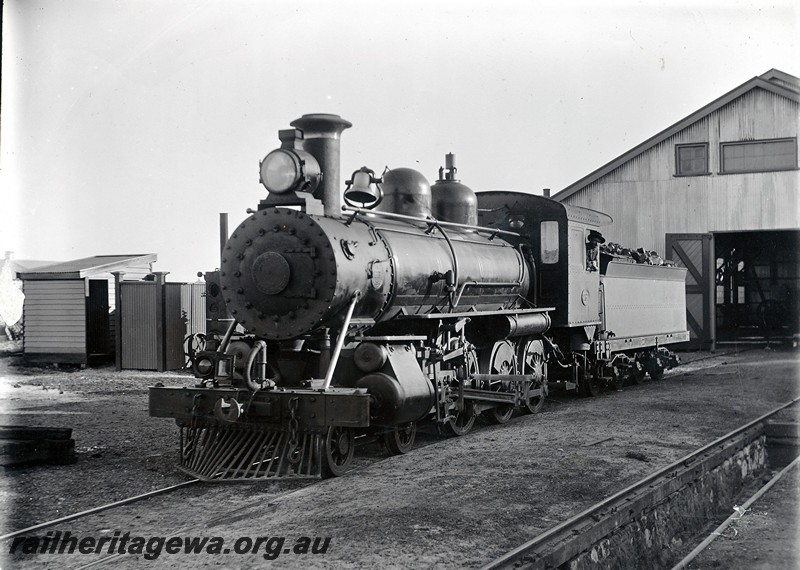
(691, 159)
(549, 242)
(759, 156)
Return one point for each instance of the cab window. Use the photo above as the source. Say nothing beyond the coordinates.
(549, 242)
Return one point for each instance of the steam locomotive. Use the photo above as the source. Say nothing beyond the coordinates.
(409, 303)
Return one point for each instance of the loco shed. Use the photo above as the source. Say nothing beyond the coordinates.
(411, 303)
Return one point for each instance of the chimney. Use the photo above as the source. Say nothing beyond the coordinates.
(321, 134)
(546, 192)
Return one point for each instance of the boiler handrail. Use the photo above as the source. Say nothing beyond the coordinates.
(429, 221)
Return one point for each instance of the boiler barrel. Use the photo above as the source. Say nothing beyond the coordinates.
(285, 273)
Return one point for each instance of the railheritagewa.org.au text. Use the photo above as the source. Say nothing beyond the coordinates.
(152, 547)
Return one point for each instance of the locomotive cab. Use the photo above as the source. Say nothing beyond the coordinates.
(564, 242)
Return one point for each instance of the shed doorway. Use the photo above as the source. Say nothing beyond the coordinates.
(98, 338)
(757, 285)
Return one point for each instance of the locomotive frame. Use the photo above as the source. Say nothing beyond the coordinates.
(326, 321)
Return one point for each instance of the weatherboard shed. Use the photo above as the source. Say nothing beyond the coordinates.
(68, 306)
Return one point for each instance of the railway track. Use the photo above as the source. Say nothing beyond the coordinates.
(567, 540)
(95, 510)
(110, 558)
(684, 563)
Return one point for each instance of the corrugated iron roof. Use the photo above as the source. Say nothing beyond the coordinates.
(88, 266)
(25, 265)
(775, 81)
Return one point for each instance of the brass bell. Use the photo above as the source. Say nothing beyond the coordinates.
(362, 189)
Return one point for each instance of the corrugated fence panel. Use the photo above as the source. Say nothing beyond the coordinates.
(138, 306)
(55, 318)
(175, 325)
(193, 303)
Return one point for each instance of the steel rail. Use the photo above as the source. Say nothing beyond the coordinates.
(98, 509)
(565, 529)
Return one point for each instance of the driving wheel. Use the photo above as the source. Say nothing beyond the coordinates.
(532, 364)
(500, 359)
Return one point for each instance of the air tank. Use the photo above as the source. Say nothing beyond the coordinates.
(451, 200)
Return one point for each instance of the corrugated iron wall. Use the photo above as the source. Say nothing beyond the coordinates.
(184, 314)
(153, 337)
(140, 328)
(194, 306)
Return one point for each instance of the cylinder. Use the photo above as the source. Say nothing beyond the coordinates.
(321, 134)
(393, 402)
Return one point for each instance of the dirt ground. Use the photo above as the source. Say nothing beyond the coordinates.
(456, 502)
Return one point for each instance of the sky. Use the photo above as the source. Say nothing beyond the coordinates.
(127, 126)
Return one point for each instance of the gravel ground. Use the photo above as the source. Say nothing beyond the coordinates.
(452, 502)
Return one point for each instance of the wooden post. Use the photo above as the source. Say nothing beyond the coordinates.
(118, 318)
(161, 340)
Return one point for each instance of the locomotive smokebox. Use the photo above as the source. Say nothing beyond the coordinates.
(321, 138)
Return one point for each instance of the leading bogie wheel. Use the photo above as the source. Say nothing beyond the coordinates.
(338, 447)
(400, 440)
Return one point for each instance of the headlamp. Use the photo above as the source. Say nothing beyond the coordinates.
(290, 170)
(203, 367)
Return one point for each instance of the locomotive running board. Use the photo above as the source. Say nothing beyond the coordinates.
(226, 454)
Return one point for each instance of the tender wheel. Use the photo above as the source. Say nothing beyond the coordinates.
(401, 439)
(588, 385)
(656, 371)
(499, 360)
(463, 421)
(337, 451)
(532, 363)
(636, 375)
(617, 378)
